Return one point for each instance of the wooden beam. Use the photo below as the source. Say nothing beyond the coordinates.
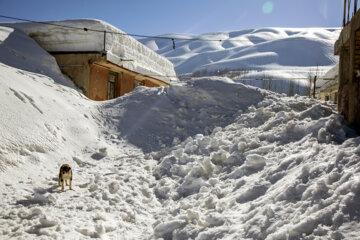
(355, 6)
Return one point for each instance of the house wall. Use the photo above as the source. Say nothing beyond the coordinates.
(77, 67)
(348, 47)
(126, 83)
(148, 83)
(330, 93)
(90, 72)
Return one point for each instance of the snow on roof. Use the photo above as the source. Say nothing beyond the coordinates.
(121, 49)
(329, 78)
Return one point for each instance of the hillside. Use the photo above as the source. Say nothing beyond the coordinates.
(285, 54)
(202, 159)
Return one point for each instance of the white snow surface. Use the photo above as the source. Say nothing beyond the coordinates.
(251, 49)
(276, 53)
(203, 159)
(121, 49)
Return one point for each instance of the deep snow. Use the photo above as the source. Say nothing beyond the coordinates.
(202, 159)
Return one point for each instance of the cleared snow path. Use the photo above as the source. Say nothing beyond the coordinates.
(111, 197)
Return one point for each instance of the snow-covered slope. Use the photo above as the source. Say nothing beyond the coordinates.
(253, 49)
(203, 159)
(285, 54)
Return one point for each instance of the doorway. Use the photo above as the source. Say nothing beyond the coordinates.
(112, 85)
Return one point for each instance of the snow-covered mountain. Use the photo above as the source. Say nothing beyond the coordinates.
(202, 159)
(253, 49)
(249, 56)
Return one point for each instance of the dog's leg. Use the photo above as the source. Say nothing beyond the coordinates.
(70, 184)
(66, 182)
(62, 185)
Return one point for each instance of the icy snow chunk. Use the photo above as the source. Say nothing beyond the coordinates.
(323, 136)
(242, 146)
(100, 229)
(219, 157)
(102, 152)
(255, 161)
(93, 187)
(165, 230)
(164, 167)
(79, 162)
(42, 198)
(210, 203)
(190, 147)
(253, 192)
(46, 222)
(114, 187)
(213, 220)
(191, 185)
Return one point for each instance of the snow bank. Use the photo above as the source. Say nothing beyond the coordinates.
(20, 51)
(32, 87)
(120, 47)
(281, 170)
(169, 115)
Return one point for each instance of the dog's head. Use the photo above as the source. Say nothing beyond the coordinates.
(65, 168)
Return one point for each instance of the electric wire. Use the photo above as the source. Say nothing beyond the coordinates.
(171, 38)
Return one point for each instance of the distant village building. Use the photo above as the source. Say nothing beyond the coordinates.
(101, 60)
(329, 85)
(348, 48)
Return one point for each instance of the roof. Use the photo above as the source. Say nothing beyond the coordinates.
(87, 35)
(330, 78)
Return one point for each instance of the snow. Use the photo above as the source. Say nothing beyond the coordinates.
(281, 54)
(121, 49)
(202, 159)
(252, 49)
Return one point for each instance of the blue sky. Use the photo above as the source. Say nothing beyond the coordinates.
(154, 17)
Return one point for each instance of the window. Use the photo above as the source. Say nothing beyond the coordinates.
(112, 85)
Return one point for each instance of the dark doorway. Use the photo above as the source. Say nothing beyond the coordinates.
(112, 86)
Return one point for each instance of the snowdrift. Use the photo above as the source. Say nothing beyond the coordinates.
(204, 159)
(169, 115)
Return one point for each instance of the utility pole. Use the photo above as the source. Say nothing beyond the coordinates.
(314, 91)
(344, 19)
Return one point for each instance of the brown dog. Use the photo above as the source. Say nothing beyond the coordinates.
(64, 175)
